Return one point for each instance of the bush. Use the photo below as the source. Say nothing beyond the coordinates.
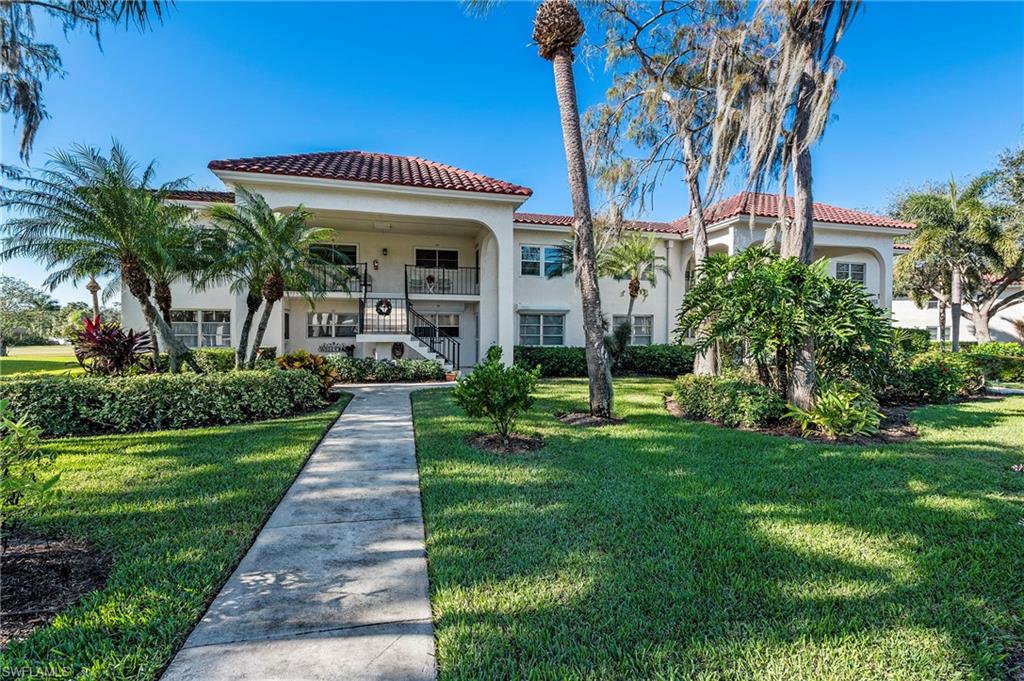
(911, 341)
(23, 341)
(72, 405)
(497, 392)
(317, 365)
(999, 348)
(22, 463)
(369, 370)
(729, 400)
(106, 349)
(998, 367)
(571, 362)
(841, 408)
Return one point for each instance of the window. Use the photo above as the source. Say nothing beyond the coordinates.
(933, 333)
(202, 328)
(433, 257)
(331, 324)
(336, 253)
(287, 325)
(972, 330)
(553, 258)
(933, 304)
(542, 329)
(851, 270)
(447, 324)
(643, 328)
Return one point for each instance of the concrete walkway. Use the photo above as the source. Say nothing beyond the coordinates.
(335, 586)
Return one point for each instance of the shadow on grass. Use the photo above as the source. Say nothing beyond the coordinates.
(665, 548)
(176, 510)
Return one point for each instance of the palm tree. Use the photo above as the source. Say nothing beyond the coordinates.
(950, 226)
(267, 254)
(634, 259)
(86, 215)
(557, 29)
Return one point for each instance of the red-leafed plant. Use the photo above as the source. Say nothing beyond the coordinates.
(106, 349)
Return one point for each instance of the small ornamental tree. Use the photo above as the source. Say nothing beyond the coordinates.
(496, 392)
(22, 463)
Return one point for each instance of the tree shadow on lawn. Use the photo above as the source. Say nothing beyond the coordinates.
(662, 546)
(176, 510)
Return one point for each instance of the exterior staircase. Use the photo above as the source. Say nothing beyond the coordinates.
(392, 319)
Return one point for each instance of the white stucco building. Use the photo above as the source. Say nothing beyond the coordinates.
(907, 314)
(457, 267)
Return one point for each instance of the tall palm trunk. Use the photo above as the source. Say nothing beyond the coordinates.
(138, 285)
(162, 296)
(798, 238)
(261, 328)
(942, 325)
(705, 363)
(598, 365)
(252, 304)
(956, 305)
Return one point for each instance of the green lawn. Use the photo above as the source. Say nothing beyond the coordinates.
(42, 359)
(664, 549)
(176, 510)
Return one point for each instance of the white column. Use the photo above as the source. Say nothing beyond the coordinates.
(489, 276)
(506, 293)
(885, 268)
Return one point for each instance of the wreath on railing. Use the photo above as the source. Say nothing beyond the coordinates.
(383, 307)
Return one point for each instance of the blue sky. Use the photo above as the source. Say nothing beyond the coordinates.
(930, 89)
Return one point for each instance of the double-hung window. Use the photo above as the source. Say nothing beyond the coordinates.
(541, 329)
(202, 328)
(643, 328)
(851, 270)
(331, 324)
(549, 261)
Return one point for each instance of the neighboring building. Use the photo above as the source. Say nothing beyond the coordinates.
(906, 313)
(457, 269)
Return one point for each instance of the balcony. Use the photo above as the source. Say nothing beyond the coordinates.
(442, 281)
(345, 278)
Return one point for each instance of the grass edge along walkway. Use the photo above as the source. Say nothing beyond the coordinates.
(667, 549)
(176, 510)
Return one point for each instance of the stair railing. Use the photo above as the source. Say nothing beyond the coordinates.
(426, 332)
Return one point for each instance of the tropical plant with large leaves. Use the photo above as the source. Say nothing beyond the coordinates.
(86, 214)
(268, 253)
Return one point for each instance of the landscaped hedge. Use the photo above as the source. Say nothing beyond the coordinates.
(998, 367)
(215, 360)
(648, 360)
(369, 370)
(72, 405)
(932, 377)
(731, 401)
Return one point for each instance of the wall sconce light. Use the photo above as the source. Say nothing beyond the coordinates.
(384, 252)
(376, 265)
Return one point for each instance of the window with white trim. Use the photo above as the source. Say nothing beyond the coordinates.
(541, 329)
(549, 261)
(851, 270)
(202, 328)
(437, 257)
(932, 304)
(643, 328)
(331, 324)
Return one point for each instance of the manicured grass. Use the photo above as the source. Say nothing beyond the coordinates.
(39, 359)
(176, 510)
(665, 549)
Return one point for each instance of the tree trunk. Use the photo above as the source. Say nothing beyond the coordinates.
(980, 317)
(135, 279)
(705, 363)
(798, 240)
(956, 306)
(598, 365)
(154, 343)
(162, 295)
(252, 304)
(3, 346)
(261, 328)
(942, 325)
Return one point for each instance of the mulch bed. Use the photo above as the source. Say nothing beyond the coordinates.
(895, 427)
(517, 444)
(43, 576)
(585, 420)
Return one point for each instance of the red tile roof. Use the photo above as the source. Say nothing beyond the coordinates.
(202, 196)
(566, 221)
(361, 166)
(767, 205)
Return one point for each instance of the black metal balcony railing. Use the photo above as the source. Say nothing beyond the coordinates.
(379, 314)
(455, 281)
(350, 278)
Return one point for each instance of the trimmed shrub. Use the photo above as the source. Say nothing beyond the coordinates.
(317, 365)
(998, 367)
(72, 405)
(731, 401)
(497, 392)
(369, 370)
(999, 348)
(841, 409)
(911, 340)
(571, 362)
